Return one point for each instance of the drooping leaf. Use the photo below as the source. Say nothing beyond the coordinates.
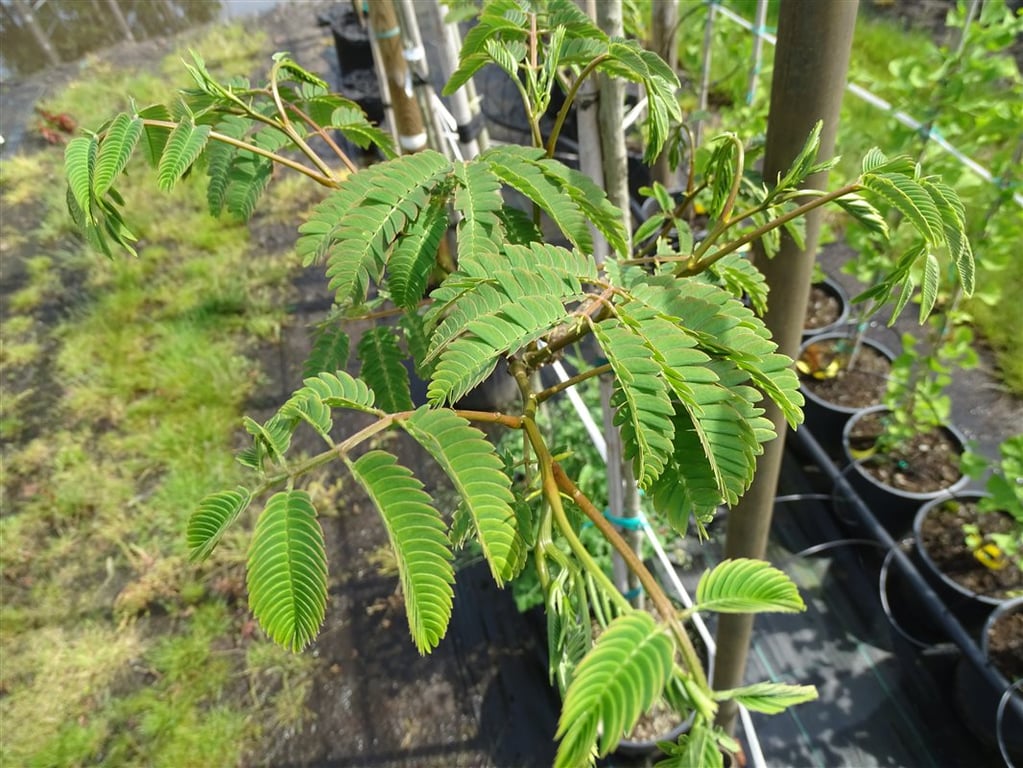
(383, 369)
(184, 145)
(287, 570)
(643, 409)
(214, 516)
(930, 286)
(910, 199)
(696, 749)
(478, 199)
(154, 137)
(219, 157)
(747, 586)
(80, 169)
(477, 473)
(247, 179)
(419, 539)
(620, 678)
(769, 698)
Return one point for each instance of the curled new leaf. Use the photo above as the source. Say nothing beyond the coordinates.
(747, 586)
(287, 570)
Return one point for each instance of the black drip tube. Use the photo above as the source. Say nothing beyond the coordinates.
(930, 600)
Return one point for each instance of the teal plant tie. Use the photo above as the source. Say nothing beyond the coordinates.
(633, 593)
(625, 523)
(388, 33)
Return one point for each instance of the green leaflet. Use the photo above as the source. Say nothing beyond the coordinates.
(747, 586)
(287, 570)
(80, 168)
(323, 392)
(477, 473)
(696, 749)
(214, 516)
(115, 151)
(419, 540)
(769, 698)
(247, 179)
(184, 145)
(219, 158)
(354, 227)
(516, 166)
(465, 362)
(329, 352)
(620, 678)
(415, 255)
(478, 199)
(910, 199)
(384, 370)
(641, 400)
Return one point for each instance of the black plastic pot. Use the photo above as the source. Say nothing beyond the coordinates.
(351, 38)
(978, 696)
(835, 290)
(894, 507)
(969, 607)
(824, 419)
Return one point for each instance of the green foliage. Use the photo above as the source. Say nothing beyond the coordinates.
(287, 570)
(747, 586)
(614, 684)
(691, 366)
(420, 544)
(1004, 487)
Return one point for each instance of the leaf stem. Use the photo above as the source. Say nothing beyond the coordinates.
(699, 265)
(653, 589)
(571, 382)
(289, 129)
(325, 180)
(559, 121)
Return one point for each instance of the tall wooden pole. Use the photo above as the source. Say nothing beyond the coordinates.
(810, 65)
(383, 21)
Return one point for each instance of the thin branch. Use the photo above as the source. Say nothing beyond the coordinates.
(571, 382)
(289, 129)
(650, 585)
(324, 134)
(559, 121)
(326, 181)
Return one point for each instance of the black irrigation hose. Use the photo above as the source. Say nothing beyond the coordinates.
(928, 598)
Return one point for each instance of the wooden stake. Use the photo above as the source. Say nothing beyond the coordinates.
(383, 21)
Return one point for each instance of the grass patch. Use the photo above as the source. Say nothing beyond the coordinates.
(124, 385)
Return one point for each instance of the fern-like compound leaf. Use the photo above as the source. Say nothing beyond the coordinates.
(154, 137)
(620, 678)
(115, 151)
(80, 169)
(219, 157)
(698, 747)
(329, 352)
(468, 360)
(383, 369)
(287, 570)
(644, 409)
(769, 698)
(517, 167)
(415, 255)
(247, 179)
(477, 473)
(215, 514)
(355, 227)
(184, 145)
(747, 586)
(419, 540)
(740, 278)
(911, 200)
(478, 199)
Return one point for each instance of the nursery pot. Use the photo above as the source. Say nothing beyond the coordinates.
(823, 294)
(824, 417)
(969, 606)
(978, 697)
(894, 507)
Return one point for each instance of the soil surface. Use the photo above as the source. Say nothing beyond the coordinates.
(942, 537)
(823, 308)
(1005, 644)
(824, 370)
(925, 463)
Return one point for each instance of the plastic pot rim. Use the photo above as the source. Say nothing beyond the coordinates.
(826, 336)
